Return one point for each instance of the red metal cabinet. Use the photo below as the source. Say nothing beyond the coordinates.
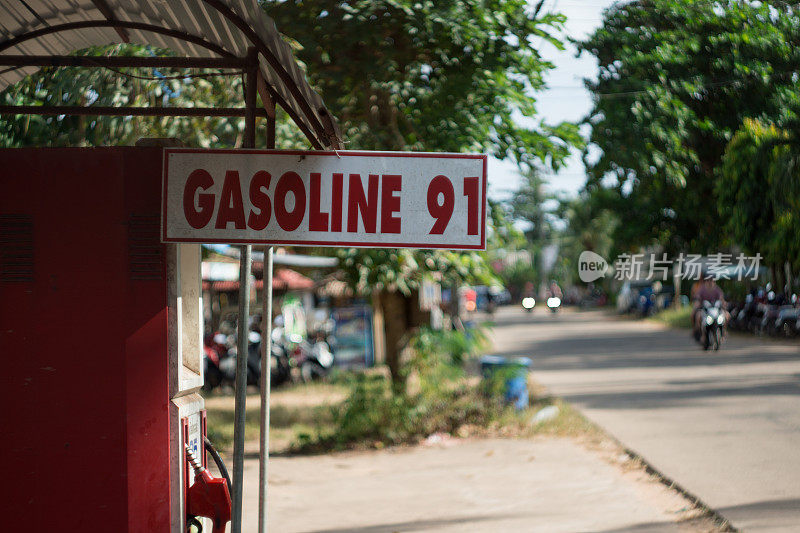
(85, 394)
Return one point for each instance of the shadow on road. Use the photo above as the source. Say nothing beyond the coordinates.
(673, 397)
(646, 349)
(773, 515)
(417, 525)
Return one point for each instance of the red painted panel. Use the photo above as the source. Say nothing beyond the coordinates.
(147, 356)
(84, 381)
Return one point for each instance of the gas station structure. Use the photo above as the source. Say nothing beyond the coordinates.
(101, 317)
(100, 321)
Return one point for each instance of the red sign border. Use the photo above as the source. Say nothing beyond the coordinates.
(439, 155)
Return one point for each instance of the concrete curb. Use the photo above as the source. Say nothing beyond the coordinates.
(670, 483)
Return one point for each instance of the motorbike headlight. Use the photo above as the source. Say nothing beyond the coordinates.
(553, 301)
(720, 319)
(528, 302)
(325, 359)
(709, 320)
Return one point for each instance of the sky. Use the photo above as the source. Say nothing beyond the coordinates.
(566, 99)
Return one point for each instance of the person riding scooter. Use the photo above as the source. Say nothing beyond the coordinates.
(554, 296)
(705, 290)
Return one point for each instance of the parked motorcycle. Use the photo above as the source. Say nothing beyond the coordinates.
(228, 364)
(280, 371)
(788, 318)
(744, 315)
(314, 359)
(220, 362)
(213, 352)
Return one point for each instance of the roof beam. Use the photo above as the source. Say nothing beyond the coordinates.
(122, 61)
(140, 26)
(129, 111)
(108, 13)
(313, 121)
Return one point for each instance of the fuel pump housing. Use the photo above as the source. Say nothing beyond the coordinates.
(101, 328)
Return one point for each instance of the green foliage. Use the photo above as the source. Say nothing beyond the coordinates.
(677, 78)
(589, 226)
(520, 273)
(757, 192)
(527, 205)
(503, 244)
(129, 88)
(443, 400)
(680, 317)
(459, 345)
(402, 270)
(503, 237)
(411, 75)
(371, 413)
(432, 76)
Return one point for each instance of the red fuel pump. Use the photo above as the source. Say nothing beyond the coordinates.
(102, 347)
(208, 496)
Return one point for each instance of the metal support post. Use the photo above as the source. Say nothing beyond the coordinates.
(244, 312)
(266, 355)
(241, 389)
(266, 360)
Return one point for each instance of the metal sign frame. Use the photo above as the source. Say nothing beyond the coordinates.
(472, 235)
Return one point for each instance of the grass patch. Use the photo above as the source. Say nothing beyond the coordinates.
(285, 422)
(569, 422)
(675, 318)
(439, 397)
(436, 397)
(293, 411)
(363, 410)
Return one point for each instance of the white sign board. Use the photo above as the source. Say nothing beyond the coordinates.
(361, 199)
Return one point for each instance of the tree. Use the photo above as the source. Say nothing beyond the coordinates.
(527, 205)
(425, 75)
(757, 192)
(589, 227)
(433, 76)
(676, 80)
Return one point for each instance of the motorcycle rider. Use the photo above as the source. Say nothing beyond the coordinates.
(704, 290)
(555, 291)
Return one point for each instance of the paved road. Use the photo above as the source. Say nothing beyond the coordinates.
(725, 426)
(546, 485)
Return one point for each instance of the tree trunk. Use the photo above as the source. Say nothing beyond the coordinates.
(395, 320)
(378, 329)
(455, 308)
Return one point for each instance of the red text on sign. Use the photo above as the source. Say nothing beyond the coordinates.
(291, 200)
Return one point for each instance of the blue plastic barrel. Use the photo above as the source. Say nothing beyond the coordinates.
(516, 391)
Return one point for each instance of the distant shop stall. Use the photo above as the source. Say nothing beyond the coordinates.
(221, 296)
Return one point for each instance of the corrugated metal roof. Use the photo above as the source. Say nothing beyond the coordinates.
(230, 25)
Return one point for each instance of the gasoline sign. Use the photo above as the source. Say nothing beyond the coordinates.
(362, 199)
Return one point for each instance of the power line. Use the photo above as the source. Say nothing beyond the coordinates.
(722, 83)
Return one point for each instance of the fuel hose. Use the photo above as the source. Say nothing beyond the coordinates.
(219, 462)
